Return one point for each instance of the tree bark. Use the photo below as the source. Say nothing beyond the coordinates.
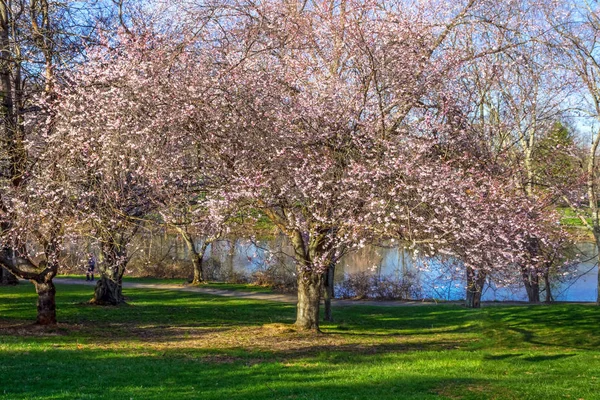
(329, 292)
(593, 197)
(309, 250)
(549, 297)
(109, 289)
(7, 278)
(597, 237)
(310, 285)
(40, 275)
(531, 273)
(46, 302)
(197, 264)
(197, 257)
(531, 281)
(475, 282)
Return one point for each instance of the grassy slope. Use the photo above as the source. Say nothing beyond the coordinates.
(173, 345)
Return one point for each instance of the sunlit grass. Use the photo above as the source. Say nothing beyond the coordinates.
(178, 345)
(570, 217)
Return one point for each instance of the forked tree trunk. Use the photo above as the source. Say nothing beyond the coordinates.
(310, 285)
(475, 282)
(531, 281)
(109, 288)
(197, 257)
(46, 302)
(473, 299)
(40, 274)
(329, 292)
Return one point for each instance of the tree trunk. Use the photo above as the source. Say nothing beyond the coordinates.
(329, 292)
(46, 303)
(530, 271)
(596, 232)
(549, 297)
(109, 289)
(598, 269)
(310, 285)
(475, 282)
(197, 264)
(531, 281)
(7, 278)
(473, 299)
(593, 199)
(197, 257)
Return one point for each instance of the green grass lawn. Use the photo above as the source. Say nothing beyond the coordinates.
(570, 219)
(177, 345)
(245, 287)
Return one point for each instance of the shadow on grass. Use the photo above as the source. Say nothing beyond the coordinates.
(169, 344)
(67, 374)
(499, 357)
(156, 314)
(549, 358)
(540, 358)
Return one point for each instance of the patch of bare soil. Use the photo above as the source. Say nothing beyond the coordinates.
(26, 329)
(250, 344)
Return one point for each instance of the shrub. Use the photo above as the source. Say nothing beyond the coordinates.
(365, 285)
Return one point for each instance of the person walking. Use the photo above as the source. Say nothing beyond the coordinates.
(91, 266)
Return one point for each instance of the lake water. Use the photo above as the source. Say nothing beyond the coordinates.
(436, 280)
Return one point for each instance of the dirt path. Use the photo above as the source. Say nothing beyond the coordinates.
(291, 298)
(280, 297)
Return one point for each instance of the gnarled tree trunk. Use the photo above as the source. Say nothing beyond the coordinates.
(109, 288)
(475, 282)
(46, 302)
(41, 276)
(108, 291)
